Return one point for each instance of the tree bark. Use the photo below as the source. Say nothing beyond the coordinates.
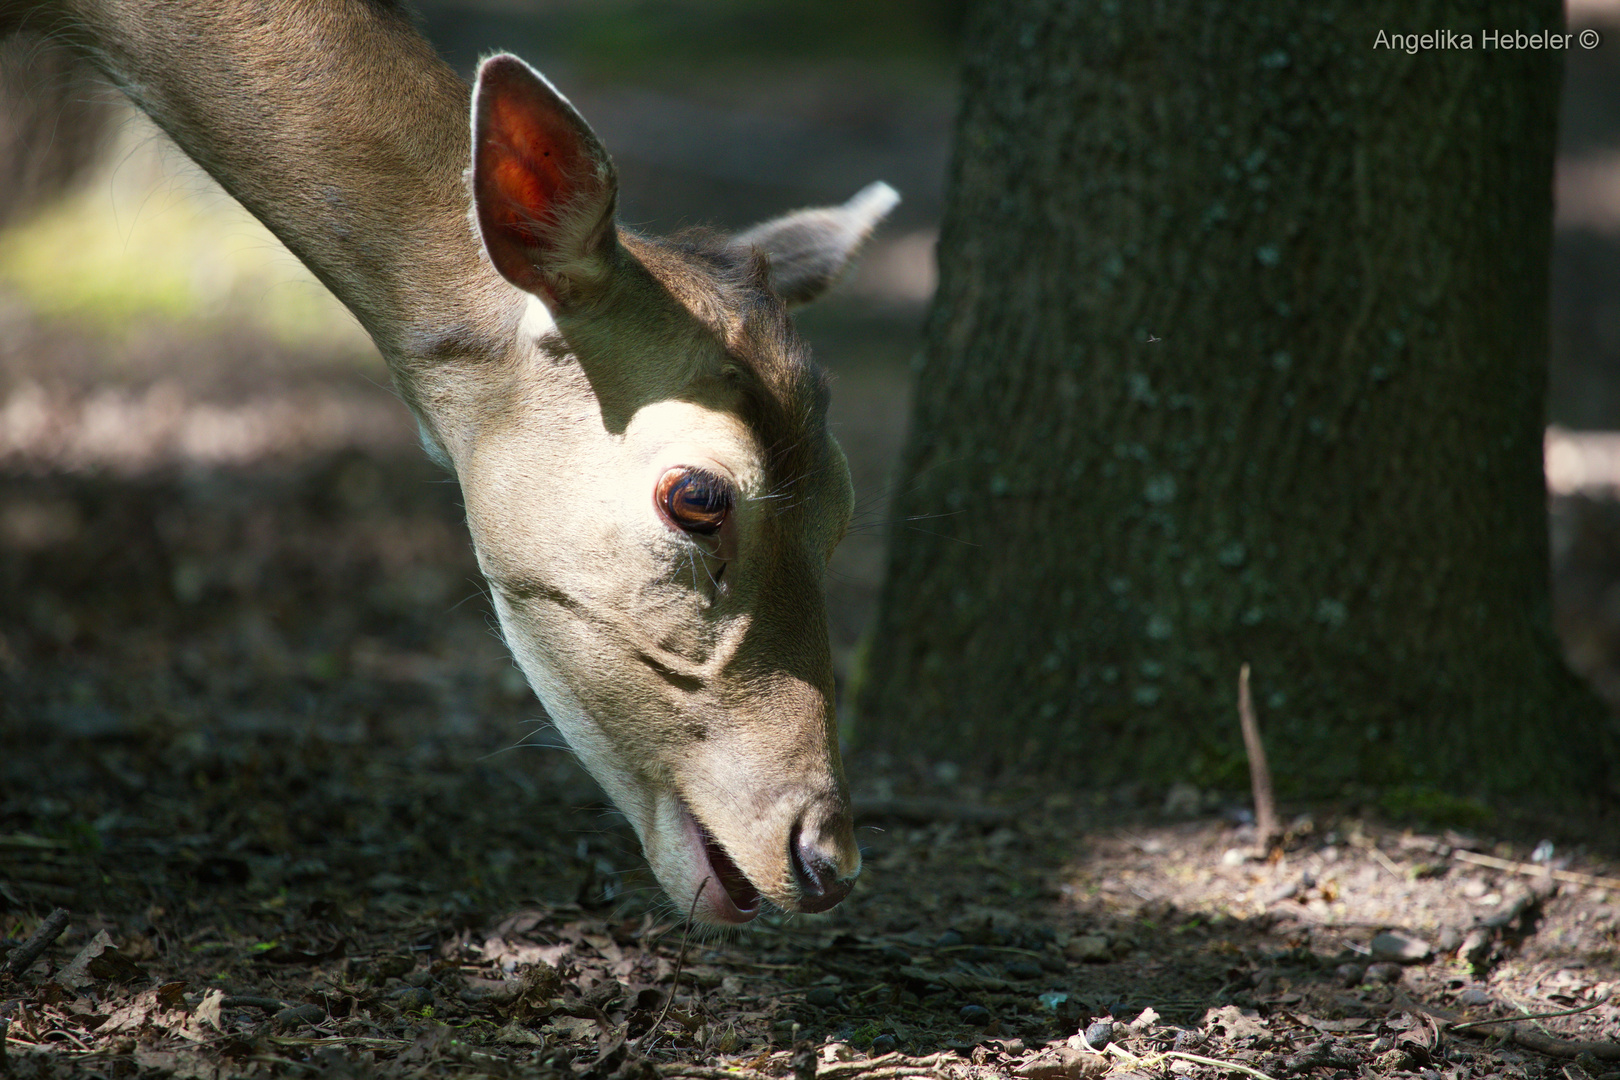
(1238, 354)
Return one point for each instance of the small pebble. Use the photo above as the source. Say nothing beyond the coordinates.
(977, 1015)
(1397, 1060)
(1349, 974)
(1088, 948)
(1385, 971)
(1449, 940)
(412, 998)
(1401, 948)
(1024, 969)
(1100, 1033)
(391, 967)
(884, 1044)
(1286, 891)
(298, 1015)
(824, 997)
(1474, 996)
(1234, 857)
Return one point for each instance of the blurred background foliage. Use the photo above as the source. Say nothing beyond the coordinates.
(685, 42)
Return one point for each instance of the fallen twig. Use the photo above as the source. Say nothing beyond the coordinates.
(1527, 1037)
(1551, 1045)
(1477, 944)
(885, 1061)
(1387, 863)
(1514, 909)
(1604, 1000)
(675, 979)
(64, 1033)
(23, 957)
(894, 1066)
(338, 1040)
(1232, 1065)
(991, 948)
(266, 1003)
(1533, 870)
(1265, 806)
(1152, 1060)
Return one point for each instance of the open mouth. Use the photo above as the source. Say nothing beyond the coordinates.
(734, 881)
(741, 902)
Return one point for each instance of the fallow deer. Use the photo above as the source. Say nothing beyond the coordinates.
(639, 434)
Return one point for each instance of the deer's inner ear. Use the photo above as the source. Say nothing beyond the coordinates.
(544, 189)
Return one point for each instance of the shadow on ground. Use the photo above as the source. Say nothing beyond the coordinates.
(258, 741)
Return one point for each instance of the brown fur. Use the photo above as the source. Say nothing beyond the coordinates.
(557, 370)
(728, 290)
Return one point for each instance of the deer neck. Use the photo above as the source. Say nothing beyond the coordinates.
(334, 123)
(640, 440)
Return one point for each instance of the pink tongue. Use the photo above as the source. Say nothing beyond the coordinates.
(733, 880)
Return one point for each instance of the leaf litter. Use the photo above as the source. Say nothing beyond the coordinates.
(259, 746)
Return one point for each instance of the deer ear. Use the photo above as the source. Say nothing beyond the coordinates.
(544, 189)
(809, 249)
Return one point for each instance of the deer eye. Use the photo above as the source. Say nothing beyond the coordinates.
(693, 500)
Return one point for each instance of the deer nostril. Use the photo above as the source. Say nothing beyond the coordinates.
(820, 886)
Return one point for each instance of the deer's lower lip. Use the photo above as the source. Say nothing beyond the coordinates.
(735, 900)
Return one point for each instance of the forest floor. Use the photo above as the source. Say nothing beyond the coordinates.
(261, 747)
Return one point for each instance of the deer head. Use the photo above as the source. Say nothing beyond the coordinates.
(639, 435)
(653, 495)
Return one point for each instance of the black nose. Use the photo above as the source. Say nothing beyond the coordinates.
(820, 887)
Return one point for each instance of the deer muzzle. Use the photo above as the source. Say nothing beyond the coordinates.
(806, 862)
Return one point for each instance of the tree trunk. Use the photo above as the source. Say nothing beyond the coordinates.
(1238, 354)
